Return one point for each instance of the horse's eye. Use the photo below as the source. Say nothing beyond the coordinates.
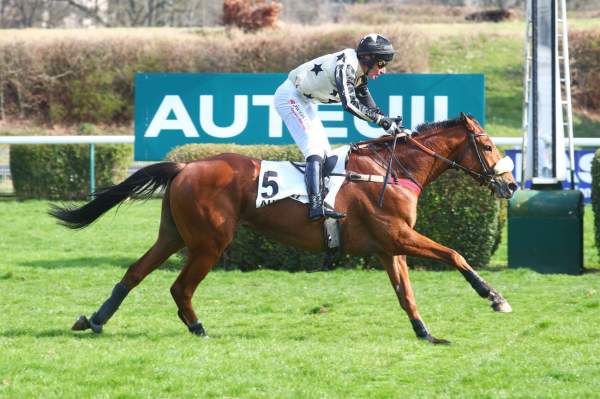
(487, 148)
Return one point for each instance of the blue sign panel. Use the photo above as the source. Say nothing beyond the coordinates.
(173, 109)
(583, 171)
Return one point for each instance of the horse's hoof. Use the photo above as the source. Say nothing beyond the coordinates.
(97, 328)
(81, 324)
(198, 329)
(436, 341)
(502, 307)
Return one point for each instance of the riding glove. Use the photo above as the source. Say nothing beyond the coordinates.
(390, 125)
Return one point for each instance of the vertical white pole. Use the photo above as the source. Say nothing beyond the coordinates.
(526, 92)
(92, 170)
(567, 78)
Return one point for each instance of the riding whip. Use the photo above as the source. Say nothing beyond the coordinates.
(389, 168)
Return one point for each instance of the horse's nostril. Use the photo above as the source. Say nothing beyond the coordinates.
(513, 187)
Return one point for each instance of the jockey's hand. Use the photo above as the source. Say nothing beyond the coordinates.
(389, 125)
(402, 131)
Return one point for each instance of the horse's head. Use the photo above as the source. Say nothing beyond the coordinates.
(480, 157)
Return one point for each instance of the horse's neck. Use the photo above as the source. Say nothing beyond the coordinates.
(416, 164)
(425, 167)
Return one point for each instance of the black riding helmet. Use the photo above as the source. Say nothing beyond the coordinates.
(375, 49)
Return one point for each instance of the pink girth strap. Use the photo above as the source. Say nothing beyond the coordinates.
(405, 183)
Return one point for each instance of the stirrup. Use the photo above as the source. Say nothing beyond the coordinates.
(332, 213)
(323, 212)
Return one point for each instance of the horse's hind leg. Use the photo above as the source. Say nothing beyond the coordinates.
(198, 265)
(397, 270)
(167, 243)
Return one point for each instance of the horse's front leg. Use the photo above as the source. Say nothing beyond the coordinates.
(397, 270)
(410, 242)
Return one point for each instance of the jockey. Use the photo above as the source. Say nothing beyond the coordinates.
(332, 78)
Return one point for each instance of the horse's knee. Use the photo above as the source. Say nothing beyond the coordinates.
(458, 260)
(179, 294)
(176, 292)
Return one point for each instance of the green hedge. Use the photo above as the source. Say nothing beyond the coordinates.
(454, 211)
(191, 152)
(63, 171)
(596, 197)
(89, 76)
(459, 213)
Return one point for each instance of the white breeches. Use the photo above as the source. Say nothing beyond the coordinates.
(302, 120)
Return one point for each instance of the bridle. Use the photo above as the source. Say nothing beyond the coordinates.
(485, 177)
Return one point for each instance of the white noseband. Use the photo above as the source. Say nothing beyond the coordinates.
(504, 165)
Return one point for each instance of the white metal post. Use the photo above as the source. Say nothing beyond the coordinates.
(567, 83)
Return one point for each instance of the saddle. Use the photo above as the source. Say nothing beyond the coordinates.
(279, 180)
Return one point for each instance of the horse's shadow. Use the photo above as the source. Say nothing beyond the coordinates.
(55, 332)
(93, 262)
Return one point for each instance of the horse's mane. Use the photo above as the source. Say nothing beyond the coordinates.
(435, 126)
(423, 128)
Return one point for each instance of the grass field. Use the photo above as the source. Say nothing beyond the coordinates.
(276, 334)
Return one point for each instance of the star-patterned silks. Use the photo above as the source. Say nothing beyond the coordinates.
(316, 69)
(334, 93)
(307, 95)
(342, 57)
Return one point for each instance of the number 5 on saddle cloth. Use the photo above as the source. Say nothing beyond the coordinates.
(283, 179)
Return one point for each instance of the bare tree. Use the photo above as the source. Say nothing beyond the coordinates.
(93, 9)
(21, 13)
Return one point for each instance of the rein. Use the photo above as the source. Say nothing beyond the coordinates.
(482, 177)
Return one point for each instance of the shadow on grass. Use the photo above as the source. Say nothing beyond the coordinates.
(67, 333)
(94, 262)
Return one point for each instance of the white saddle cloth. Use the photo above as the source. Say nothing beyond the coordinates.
(281, 179)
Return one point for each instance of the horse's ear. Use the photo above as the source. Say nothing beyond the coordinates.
(470, 122)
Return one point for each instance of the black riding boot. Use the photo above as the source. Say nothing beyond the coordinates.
(313, 180)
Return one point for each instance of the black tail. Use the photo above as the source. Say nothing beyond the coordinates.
(140, 185)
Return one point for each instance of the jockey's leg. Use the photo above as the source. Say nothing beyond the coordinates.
(316, 148)
(302, 120)
(313, 177)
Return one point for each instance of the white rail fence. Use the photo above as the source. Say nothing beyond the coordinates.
(92, 140)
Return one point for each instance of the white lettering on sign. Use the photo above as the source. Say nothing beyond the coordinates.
(585, 168)
(333, 116)
(275, 122)
(417, 111)
(440, 108)
(240, 117)
(182, 121)
(373, 131)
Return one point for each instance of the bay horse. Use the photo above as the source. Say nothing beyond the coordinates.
(204, 201)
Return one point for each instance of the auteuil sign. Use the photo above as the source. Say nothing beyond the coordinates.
(173, 109)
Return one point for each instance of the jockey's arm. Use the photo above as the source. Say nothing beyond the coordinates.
(351, 96)
(364, 96)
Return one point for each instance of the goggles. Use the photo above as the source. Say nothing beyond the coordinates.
(384, 59)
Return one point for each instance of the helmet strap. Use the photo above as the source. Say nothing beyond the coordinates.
(370, 63)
